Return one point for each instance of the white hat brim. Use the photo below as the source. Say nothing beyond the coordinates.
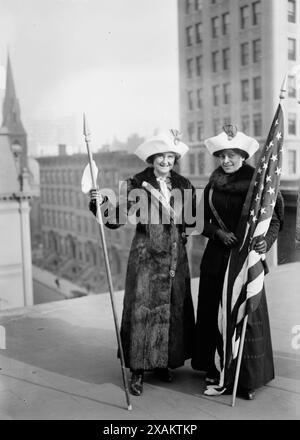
(160, 144)
(240, 141)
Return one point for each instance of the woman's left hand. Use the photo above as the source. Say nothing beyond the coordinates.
(261, 247)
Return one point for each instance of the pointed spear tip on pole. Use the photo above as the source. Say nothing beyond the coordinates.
(283, 87)
(86, 130)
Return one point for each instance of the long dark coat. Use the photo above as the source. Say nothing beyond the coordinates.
(158, 322)
(257, 363)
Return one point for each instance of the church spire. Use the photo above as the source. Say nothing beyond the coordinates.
(12, 126)
(11, 108)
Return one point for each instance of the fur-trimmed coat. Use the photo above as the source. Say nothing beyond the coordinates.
(157, 326)
(228, 198)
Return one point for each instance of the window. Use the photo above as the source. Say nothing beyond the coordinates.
(199, 131)
(225, 23)
(94, 228)
(226, 93)
(216, 126)
(192, 163)
(256, 13)
(292, 87)
(215, 91)
(190, 101)
(244, 54)
(188, 6)
(67, 223)
(199, 98)
(245, 17)
(256, 50)
(199, 65)
(292, 11)
(292, 122)
(86, 226)
(79, 248)
(58, 220)
(55, 219)
(201, 162)
(246, 124)
(71, 197)
(65, 197)
(189, 31)
(78, 199)
(292, 49)
(292, 161)
(189, 66)
(198, 5)
(226, 59)
(215, 27)
(245, 89)
(257, 124)
(191, 130)
(257, 88)
(215, 61)
(198, 28)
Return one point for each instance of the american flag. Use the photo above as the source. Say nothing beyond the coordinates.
(244, 278)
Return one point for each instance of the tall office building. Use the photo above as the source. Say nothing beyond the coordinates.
(233, 57)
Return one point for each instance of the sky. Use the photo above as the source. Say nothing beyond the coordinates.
(115, 60)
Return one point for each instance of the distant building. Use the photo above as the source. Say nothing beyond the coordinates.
(15, 194)
(70, 233)
(233, 57)
(45, 134)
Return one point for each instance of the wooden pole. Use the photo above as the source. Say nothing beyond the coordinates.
(86, 133)
(239, 360)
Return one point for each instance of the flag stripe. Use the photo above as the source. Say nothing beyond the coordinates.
(262, 227)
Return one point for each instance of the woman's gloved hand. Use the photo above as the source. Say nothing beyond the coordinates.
(95, 195)
(261, 247)
(228, 238)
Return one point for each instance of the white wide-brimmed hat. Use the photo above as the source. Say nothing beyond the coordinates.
(230, 138)
(165, 142)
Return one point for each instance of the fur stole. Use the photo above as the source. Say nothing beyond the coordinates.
(233, 183)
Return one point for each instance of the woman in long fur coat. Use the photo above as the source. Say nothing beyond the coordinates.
(224, 197)
(157, 326)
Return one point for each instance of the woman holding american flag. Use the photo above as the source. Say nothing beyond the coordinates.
(224, 199)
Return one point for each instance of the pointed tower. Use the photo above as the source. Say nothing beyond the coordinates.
(16, 288)
(12, 125)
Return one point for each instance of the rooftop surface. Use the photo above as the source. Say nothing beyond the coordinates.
(60, 363)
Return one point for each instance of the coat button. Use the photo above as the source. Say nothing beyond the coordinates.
(172, 273)
(183, 234)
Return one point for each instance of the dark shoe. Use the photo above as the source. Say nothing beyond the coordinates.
(136, 384)
(247, 394)
(164, 374)
(228, 391)
(250, 395)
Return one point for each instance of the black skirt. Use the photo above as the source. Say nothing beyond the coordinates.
(257, 367)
